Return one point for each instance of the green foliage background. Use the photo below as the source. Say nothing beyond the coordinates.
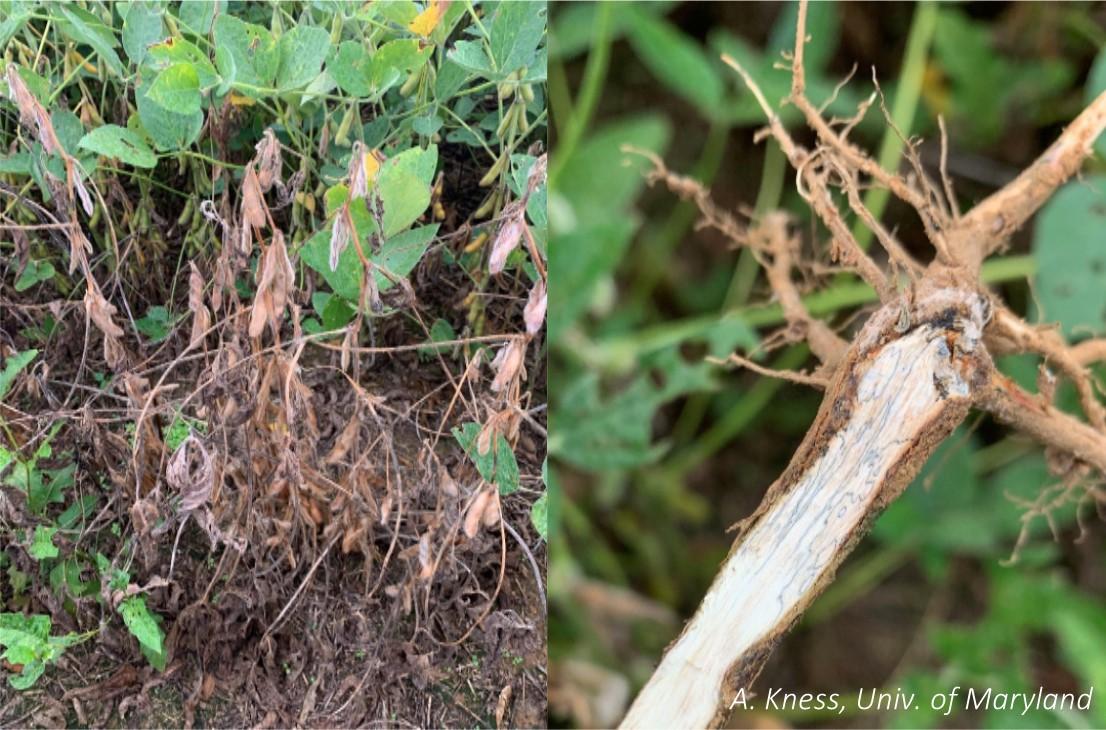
(655, 453)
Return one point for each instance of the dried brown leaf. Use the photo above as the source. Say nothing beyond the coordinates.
(508, 365)
(426, 557)
(339, 235)
(475, 515)
(79, 248)
(201, 318)
(99, 310)
(259, 315)
(446, 482)
(358, 179)
(275, 278)
(346, 440)
(534, 313)
(253, 202)
(75, 182)
(504, 701)
(191, 472)
(537, 174)
(268, 160)
(492, 511)
(31, 112)
(114, 354)
(195, 288)
(506, 240)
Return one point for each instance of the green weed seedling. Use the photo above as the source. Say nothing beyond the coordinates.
(27, 643)
(141, 622)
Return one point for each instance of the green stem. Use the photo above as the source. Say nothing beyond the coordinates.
(737, 418)
(771, 189)
(560, 98)
(902, 111)
(594, 74)
(657, 249)
(744, 276)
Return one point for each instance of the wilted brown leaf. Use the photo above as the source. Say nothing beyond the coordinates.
(79, 247)
(358, 179)
(268, 160)
(253, 202)
(275, 278)
(339, 235)
(475, 515)
(508, 365)
(501, 708)
(75, 182)
(99, 310)
(201, 318)
(426, 557)
(492, 511)
(506, 240)
(31, 112)
(345, 440)
(192, 473)
(534, 313)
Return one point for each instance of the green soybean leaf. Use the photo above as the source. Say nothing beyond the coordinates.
(177, 89)
(334, 311)
(17, 164)
(46, 487)
(197, 16)
(32, 670)
(68, 128)
(400, 253)
(440, 331)
(497, 465)
(400, 12)
(157, 323)
(228, 71)
(403, 184)
(1071, 259)
(13, 23)
(350, 68)
(12, 366)
(254, 50)
(26, 640)
(600, 178)
(515, 33)
(141, 27)
(119, 143)
(35, 272)
(169, 130)
(677, 61)
(84, 27)
(174, 50)
(144, 627)
(393, 59)
(302, 52)
(470, 55)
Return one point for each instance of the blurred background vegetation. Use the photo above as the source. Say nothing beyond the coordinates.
(655, 452)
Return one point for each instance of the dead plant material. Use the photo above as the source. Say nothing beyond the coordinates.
(536, 303)
(191, 472)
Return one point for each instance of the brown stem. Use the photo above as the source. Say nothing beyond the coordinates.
(983, 230)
